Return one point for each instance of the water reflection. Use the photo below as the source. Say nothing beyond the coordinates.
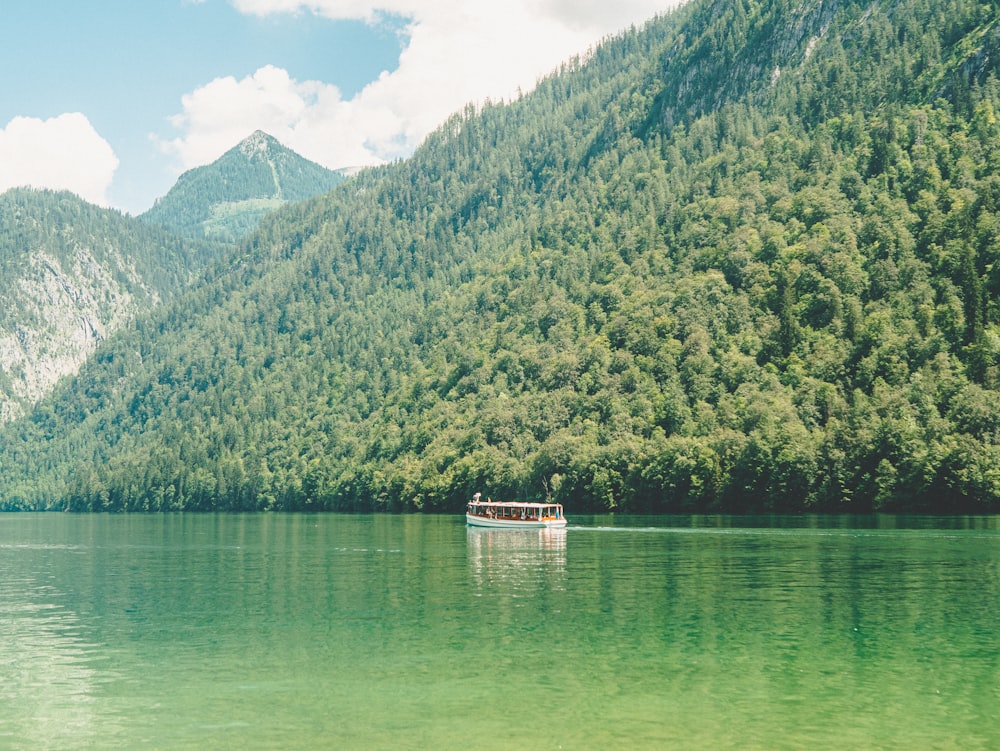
(517, 561)
(47, 677)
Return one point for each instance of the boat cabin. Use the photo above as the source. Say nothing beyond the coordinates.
(514, 514)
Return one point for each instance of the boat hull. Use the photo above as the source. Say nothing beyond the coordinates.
(480, 521)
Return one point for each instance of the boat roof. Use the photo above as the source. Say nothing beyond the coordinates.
(518, 504)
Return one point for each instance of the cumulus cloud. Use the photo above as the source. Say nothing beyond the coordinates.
(457, 52)
(224, 111)
(61, 153)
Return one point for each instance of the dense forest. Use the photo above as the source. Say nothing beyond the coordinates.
(741, 259)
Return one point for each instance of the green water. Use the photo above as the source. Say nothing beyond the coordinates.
(414, 632)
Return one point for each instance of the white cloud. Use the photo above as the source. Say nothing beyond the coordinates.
(61, 153)
(221, 113)
(457, 52)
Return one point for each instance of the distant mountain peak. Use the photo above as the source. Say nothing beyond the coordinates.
(226, 200)
(258, 142)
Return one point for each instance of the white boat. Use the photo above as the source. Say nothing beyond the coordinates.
(513, 514)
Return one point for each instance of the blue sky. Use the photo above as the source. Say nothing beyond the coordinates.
(114, 99)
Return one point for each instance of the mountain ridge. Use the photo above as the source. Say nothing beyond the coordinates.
(71, 274)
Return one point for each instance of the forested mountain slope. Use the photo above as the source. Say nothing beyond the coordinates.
(744, 258)
(226, 200)
(71, 274)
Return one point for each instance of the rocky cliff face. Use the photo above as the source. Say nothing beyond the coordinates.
(70, 275)
(64, 310)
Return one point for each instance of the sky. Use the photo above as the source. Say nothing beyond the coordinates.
(114, 99)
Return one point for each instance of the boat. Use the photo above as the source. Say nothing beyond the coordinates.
(514, 514)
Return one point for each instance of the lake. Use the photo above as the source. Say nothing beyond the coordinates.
(416, 632)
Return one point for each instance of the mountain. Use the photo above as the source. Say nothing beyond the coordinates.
(743, 259)
(226, 200)
(70, 275)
